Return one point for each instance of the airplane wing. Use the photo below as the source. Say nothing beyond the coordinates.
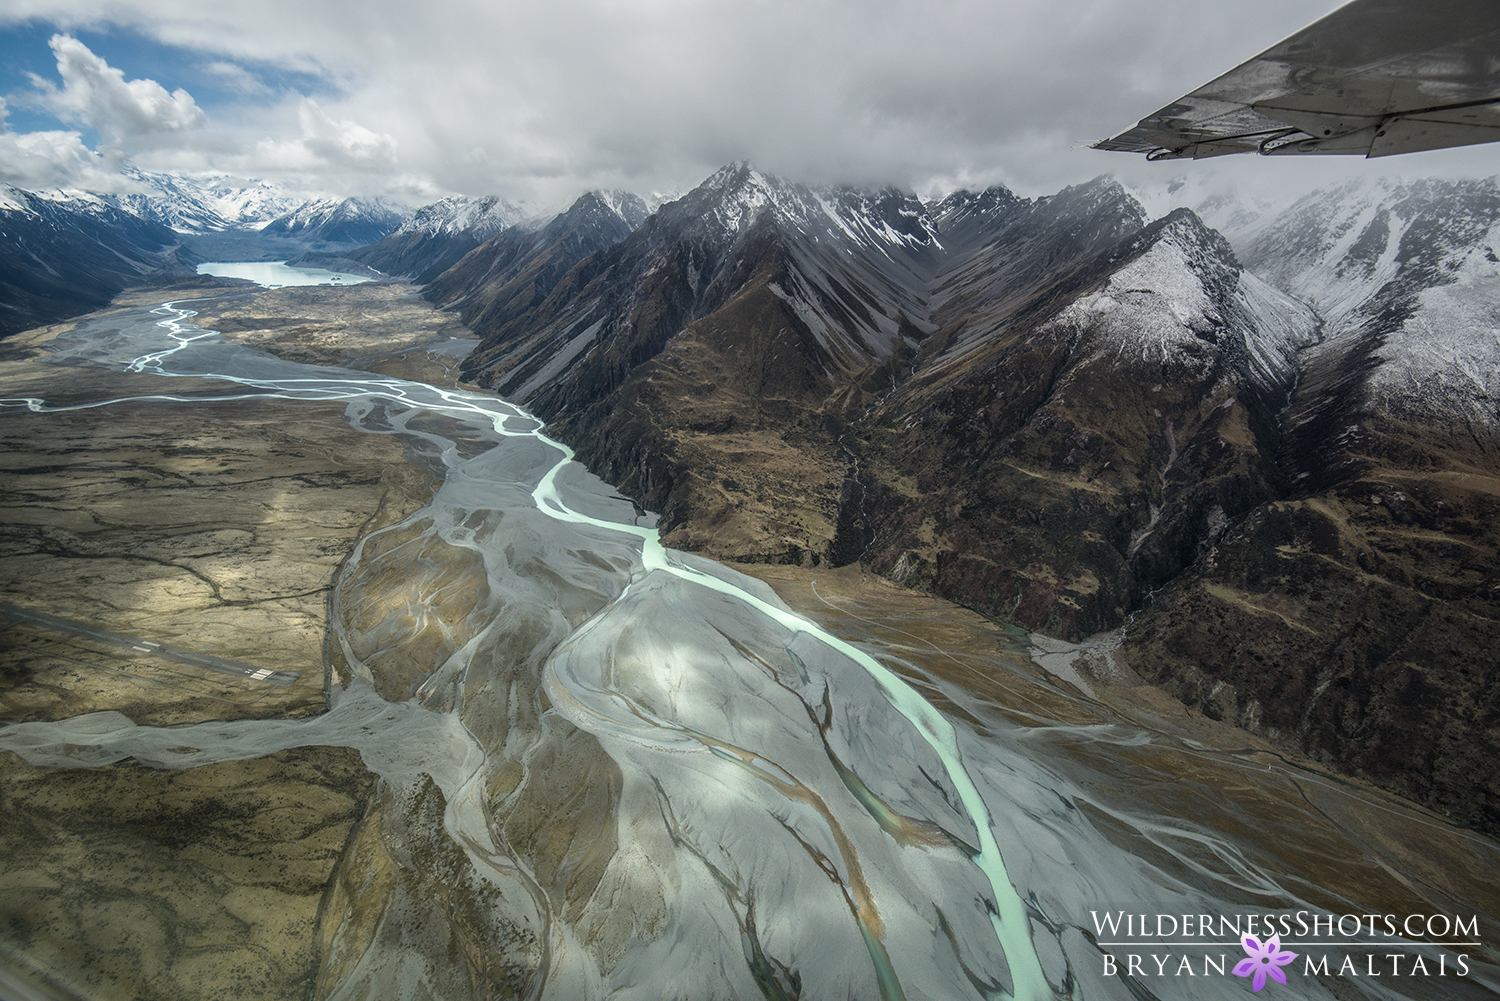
(1374, 78)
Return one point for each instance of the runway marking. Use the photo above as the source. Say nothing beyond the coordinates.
(206, 661)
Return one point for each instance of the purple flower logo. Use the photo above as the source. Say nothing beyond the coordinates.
(1265, 960)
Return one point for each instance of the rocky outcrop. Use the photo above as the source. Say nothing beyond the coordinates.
(1052, 466)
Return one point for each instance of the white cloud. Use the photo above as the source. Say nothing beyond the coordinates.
(96, 94)
(42, 160)
(344, 143)
(324, 146)
(139, 119)
(236, 77)
(540, 101)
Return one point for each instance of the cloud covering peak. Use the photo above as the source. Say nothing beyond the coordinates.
(542, 101)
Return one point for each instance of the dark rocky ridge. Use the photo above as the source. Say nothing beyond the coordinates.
(415, 255)
(728, 376)
(1054, 475)
(698, 363)
(1355, 617)
(1057, 414)
(514, 271)
(60, 258)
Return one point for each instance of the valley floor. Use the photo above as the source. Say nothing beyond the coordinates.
(222, 528)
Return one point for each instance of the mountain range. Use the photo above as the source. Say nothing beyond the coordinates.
(62, 254)
(69, 252)
(1267, 467)
(1273, 466)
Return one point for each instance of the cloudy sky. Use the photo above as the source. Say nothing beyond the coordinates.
(540, 101)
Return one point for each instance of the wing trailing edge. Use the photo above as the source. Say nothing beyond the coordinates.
(1373, 78)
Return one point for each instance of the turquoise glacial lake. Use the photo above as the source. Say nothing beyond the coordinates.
(277, 274)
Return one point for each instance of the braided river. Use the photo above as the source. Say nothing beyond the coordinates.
(612, 770)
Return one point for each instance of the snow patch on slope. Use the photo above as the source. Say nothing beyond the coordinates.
(1410, 267)
(630, 207)
(1180, 304)
(1279, 326)
(482, 218)
(1341, 286)
(1152, 309)
(1446, 356)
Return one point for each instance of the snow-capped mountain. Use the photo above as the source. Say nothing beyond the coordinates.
(1185, 304)
(1086, 369)
(516, 270)
(1405, 273)
(219, 212)
(480, 218)
(844, 270)
(348, 222)
(207, 204)
(437, 236)
(737, 196)
(65, 253)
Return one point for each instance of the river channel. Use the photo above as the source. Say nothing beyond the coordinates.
(611, 770)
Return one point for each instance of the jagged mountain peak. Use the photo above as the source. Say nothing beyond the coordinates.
(1101, 196)
(1185, 228)
(740, 179)
(731, 199)
(481, 217)
(963, 208)
(1176, 296)
(627, 205)
(960, 198)
(737, 196)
